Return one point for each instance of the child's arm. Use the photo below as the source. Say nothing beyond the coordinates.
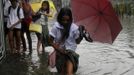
(49, 15)
(19, 21)
(56, 46)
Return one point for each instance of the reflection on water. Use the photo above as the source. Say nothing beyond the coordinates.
(95, 58)
(105, 59)
(25, 64)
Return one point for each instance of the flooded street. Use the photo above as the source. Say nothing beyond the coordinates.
(104, 59)
(95, 58)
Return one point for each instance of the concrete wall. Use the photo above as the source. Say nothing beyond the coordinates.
(2, 42)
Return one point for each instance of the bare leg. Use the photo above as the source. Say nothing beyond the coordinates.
(38, 46)
(11, 41)
(18, 39)
(69, 68)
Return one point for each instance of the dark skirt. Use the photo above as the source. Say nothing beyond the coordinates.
(61, 60)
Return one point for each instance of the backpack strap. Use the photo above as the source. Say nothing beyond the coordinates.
(9, 9)
(18, 11)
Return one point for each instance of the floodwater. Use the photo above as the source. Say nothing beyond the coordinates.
(105, 59)
(95, 58)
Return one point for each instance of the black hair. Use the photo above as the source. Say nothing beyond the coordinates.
(65, 12)
(48, 9)
(12, 3)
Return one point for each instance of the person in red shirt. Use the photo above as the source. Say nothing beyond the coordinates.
(28, 12)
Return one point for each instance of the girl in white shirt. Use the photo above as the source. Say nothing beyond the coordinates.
(14, 26)
(43, 37)
(64, 38)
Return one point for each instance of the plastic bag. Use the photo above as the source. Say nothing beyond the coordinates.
(35, 27)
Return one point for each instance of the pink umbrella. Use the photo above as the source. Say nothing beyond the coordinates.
(98, 17)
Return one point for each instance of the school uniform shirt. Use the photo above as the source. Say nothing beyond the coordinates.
(44, 19)
(13, 18)
(70, 42)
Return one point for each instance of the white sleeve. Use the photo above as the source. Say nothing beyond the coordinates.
(76, 31)
(53, 31)
(21, 13)
(76, 34)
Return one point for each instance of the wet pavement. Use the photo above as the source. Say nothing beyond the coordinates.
(26, 63)
(95, 58)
